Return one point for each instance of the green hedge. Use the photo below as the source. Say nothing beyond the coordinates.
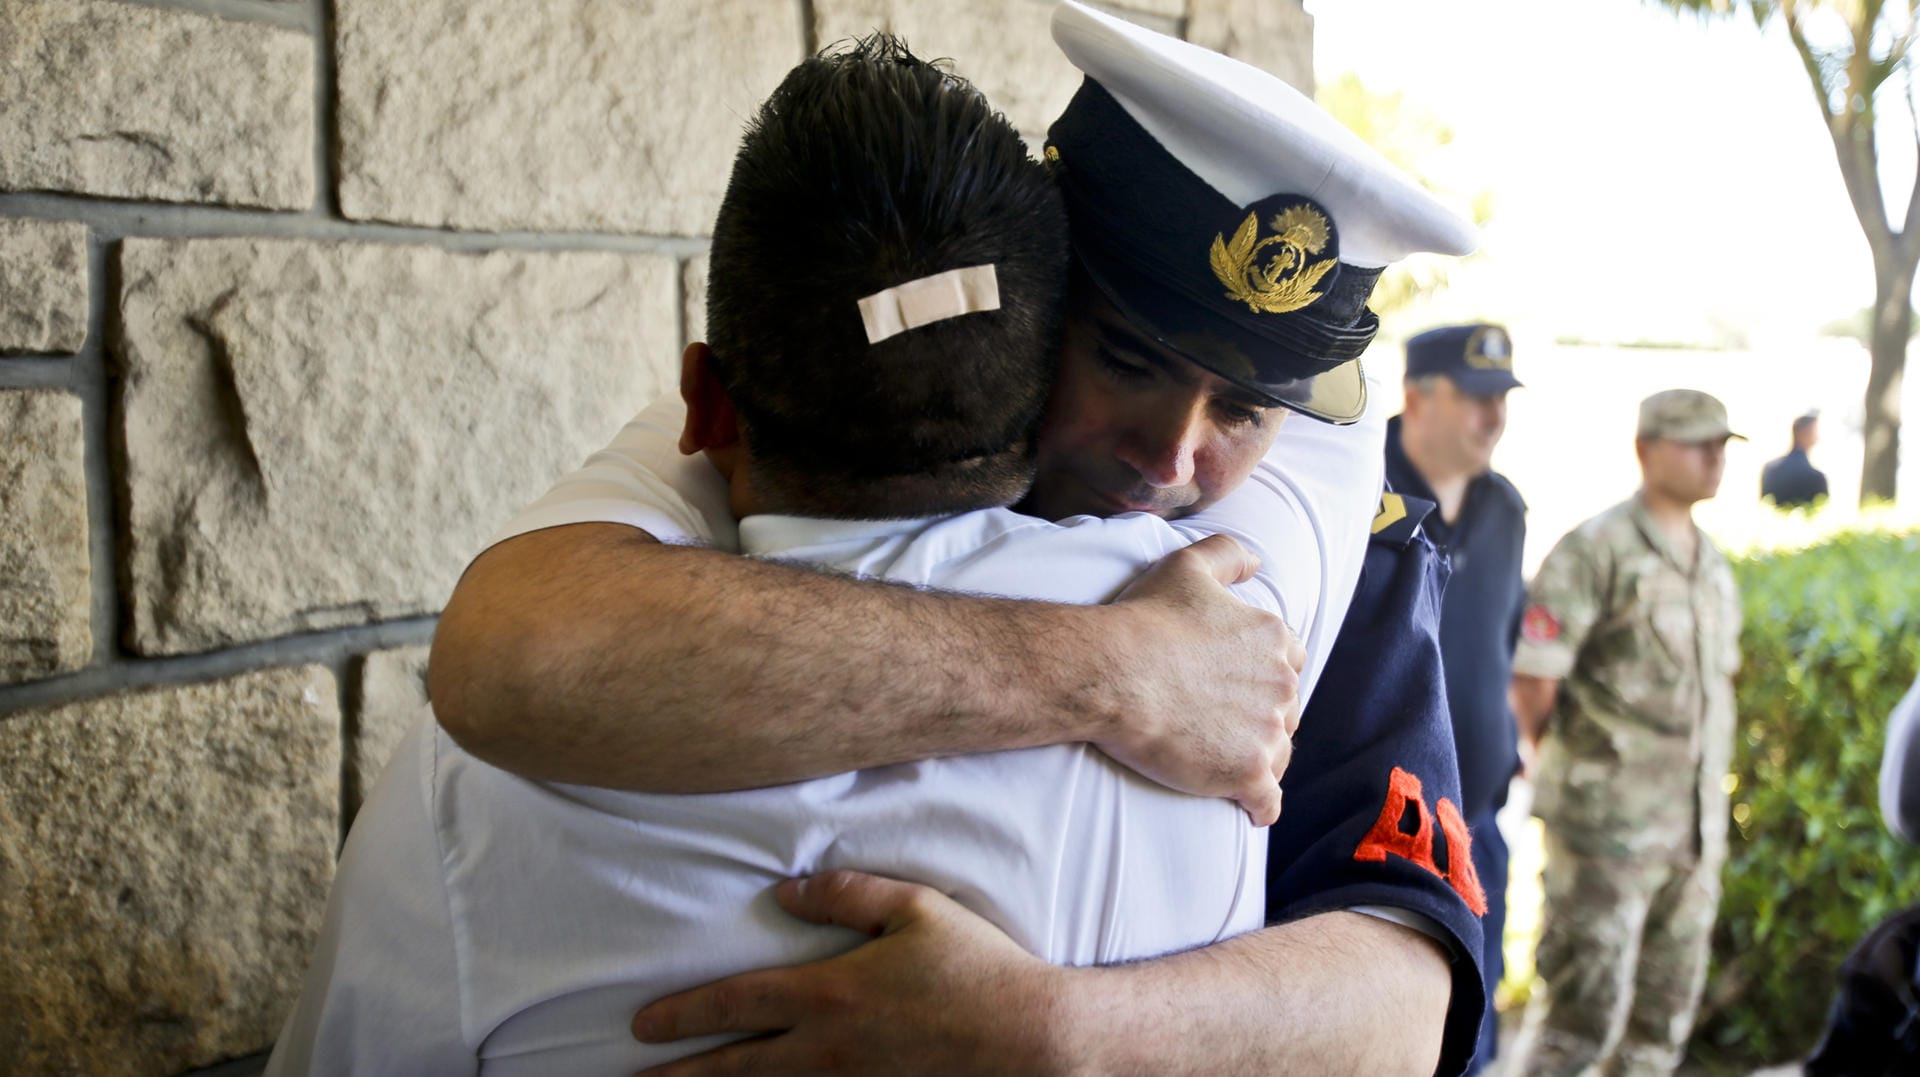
(1831, 643)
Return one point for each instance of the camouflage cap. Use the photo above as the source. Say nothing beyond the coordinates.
(1684, 415)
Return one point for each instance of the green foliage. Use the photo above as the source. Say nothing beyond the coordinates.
(1415, 140)
(1831, 643)
(1403, 132)
(1859, 326)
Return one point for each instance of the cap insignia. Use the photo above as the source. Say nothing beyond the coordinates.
(1489, 349)
(1286, 282)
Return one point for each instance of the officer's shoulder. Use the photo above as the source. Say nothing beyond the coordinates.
(1594, 538)
(1617, 521)
(1398, 519)
(1504, 488)
(1614, 535)
(1507, 489)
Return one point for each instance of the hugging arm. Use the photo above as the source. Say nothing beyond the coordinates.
(1335, 993)
(590, 653)
(581, 650)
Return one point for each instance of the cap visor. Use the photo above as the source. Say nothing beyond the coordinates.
(1484, 382)
(1695, 433)
(1339, 396)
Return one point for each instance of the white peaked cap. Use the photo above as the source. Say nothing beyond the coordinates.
(1249, 135)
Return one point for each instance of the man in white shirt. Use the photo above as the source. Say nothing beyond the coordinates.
(1218, 400)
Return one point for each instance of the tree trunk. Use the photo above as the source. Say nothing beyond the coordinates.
(1892, 325)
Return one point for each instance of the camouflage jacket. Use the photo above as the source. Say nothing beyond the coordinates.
(1645, 648)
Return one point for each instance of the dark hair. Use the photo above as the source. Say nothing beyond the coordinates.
(1800, 424)
(866, 169)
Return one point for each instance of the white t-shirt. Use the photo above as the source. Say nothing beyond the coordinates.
(482, 920)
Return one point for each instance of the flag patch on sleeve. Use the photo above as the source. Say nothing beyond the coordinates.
(1540, 626)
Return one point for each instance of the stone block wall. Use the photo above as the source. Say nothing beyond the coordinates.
(299, 300)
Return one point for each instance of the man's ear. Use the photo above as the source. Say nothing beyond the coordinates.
(711, 421)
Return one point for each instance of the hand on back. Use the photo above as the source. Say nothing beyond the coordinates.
(1211, 698)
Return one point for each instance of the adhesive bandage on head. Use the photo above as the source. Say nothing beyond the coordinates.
(930, 299)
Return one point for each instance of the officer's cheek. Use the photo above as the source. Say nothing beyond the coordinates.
(1223, 465)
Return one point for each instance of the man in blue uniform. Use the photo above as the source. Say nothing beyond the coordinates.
(1792, 480)
(1441, 448)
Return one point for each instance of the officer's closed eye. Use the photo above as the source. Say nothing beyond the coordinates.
(1123, 368)
(1237, 414)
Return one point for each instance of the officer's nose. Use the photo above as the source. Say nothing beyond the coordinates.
(1162, 445)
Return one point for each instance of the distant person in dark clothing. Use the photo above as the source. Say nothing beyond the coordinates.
(1441, 448)
(1792, 480)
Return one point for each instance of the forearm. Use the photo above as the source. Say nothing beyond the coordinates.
(593, 654)
(1335, 993)
(1533, 700)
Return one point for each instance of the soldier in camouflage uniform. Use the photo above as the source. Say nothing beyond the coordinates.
(1625, 663)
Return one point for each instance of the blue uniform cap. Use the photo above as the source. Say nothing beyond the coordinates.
(1477, 358)
(1230, 218)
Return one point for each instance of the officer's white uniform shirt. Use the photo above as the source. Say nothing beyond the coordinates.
(483, 921)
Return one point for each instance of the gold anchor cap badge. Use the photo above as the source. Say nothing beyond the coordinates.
(1286, 282)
